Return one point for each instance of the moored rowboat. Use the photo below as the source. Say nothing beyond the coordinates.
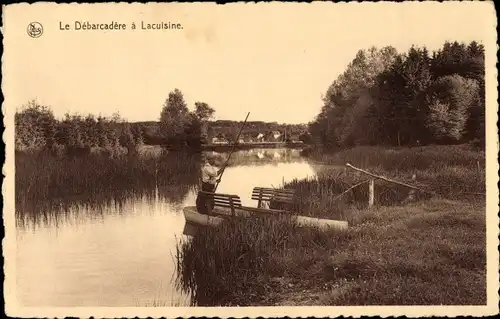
(192, 216)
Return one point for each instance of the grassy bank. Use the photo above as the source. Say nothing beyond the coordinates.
(429, 251)
(450, 172)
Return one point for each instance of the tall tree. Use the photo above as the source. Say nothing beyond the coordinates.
(174, 117)
(35, 127)
(203, 111)
(449, 99)
(336, 123)
(402, 96)
(202, 114)
(466, 61)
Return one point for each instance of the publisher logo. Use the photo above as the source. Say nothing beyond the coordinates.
(35, 29)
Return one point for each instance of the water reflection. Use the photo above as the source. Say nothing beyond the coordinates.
(117, 248)
(240, 180)
(119, 259)
(263, 156)
(167, 177)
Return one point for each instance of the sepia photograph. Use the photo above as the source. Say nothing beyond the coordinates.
(250, 159)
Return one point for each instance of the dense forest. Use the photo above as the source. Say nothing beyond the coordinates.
(412, 98)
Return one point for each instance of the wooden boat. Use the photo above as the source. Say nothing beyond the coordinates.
(192, 216)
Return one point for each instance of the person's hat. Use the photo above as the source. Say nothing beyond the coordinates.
(210, 156)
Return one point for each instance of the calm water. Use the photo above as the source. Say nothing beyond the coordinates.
(123, 253)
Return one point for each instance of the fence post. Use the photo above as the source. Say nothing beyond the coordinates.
(371, 193)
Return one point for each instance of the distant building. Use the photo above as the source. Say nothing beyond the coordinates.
(276, 134)
(273, 136)
(217, 140)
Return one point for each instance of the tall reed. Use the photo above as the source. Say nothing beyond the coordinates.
(43, 178)
(221, 270)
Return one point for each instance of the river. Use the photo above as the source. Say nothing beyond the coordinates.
(123, 254)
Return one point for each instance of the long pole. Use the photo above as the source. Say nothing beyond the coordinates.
(390, 180)
(232, 150)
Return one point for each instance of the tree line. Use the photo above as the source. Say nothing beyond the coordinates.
(36, 129)
(412, 98)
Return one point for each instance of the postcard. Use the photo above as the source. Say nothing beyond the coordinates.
(250, 159)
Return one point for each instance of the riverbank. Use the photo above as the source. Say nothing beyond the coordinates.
(429, 251)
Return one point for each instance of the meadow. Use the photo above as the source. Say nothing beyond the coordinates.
(428, 251)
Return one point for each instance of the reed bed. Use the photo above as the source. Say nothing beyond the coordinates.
(235, 262)
(42, 179)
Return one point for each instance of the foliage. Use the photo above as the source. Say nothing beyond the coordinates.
(181, 127)
(35, 127)
(385, 97)
(450, 98)
(36, 130)
(336, 122)
(174, 117)
(203, 111)
(401, 96)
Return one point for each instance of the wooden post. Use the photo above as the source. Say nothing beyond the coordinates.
(231, 203)
(371, 193)
(411, 193)
(259, 203)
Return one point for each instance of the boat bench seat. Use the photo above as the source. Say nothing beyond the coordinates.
(224, 200)
(263, 194)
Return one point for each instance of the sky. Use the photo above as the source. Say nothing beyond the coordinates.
(274, 60)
